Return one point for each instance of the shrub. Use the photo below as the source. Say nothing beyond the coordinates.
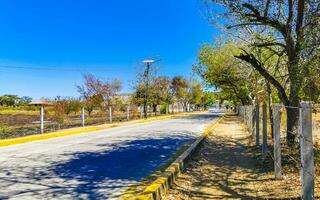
(5, 131)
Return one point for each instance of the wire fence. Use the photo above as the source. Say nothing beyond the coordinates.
(17, 123)
(290, 136)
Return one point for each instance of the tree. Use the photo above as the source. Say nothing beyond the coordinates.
(95, 89)
(145, 81)
(72, 105)
(195, 93)
(208, 99)
(221, 70)
(25, 100)
(92, 103)
(9, 100)
(160, 91)
(180, 87)
(294, 27)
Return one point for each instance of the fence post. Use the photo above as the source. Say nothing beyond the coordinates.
(246, 115)
(82, 116)
(257, 122)
(264, 131)
(276, 142)
(128, 112)
(42, 119)
(306, 142)
(252, 119)
(141, 112)
(110, 114)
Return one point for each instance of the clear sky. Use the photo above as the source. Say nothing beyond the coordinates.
(51, 43)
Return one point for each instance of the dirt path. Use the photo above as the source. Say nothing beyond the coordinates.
(226, 167)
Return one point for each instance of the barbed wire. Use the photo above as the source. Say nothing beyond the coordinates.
(304, 170)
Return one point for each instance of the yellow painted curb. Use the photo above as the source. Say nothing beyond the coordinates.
(31, 138)
(162, 184)
(67, 132)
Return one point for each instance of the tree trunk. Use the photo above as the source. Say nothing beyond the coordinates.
(292, 122)
(270, 107)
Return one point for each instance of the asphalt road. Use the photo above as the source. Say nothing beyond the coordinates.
(96, 165)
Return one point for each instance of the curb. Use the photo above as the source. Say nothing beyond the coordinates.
(162, 184)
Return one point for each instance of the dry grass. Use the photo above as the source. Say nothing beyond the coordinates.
(66, 132)
(228, 166)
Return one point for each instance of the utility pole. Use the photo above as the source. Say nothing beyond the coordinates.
(146, 78)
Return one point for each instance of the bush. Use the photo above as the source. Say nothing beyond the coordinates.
(5, 131)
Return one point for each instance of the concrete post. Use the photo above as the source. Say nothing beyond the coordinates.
(110, 114)
(128, 112)
(276, 141)
(141, 112)
(167, 109)
(42, 119)
(82, 116)
(253, 121)
(257, 122)
(264, 131)
(306, 142)
(245, 115)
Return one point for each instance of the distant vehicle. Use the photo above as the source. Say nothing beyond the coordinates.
(212, 109)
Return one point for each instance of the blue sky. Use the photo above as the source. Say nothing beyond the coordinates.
(62, 39)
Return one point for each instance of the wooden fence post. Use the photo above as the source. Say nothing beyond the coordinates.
(257, 122)
(110, 114)
(276, 142)
(306, 142)
(82, 116)
(264, 131)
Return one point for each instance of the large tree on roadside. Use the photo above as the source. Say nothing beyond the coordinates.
(295, 29)
(220, 69)
(180, 87)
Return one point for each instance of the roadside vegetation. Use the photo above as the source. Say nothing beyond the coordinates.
(269, 54)
(96, 96)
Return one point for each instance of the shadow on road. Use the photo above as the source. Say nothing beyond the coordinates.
(132, 161)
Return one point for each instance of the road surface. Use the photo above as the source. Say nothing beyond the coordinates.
(96, 165)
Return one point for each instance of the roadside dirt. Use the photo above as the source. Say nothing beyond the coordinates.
(228, 166)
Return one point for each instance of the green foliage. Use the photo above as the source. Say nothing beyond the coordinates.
(92, 103)
(180, 88)
(195, 93)
(14, 100)
(5, 131)
(220, 69)
(208, 98)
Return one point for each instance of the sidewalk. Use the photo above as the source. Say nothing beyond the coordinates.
(226, 167)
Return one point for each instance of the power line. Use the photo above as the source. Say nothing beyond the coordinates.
(51, 68)
(36, 68)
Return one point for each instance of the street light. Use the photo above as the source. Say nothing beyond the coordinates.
(149, 62)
